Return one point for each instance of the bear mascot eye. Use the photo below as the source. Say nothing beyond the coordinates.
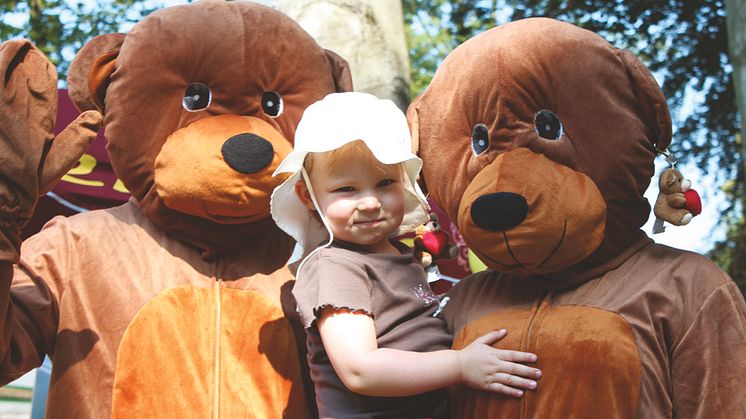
(480, 139)
(197, 96)
(272, 104)
(548, 125)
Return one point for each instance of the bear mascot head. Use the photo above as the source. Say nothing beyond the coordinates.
(197, 122)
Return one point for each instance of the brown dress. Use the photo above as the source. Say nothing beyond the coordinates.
(393, 290)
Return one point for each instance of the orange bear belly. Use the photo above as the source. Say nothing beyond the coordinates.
(589, 361)
(209, 352)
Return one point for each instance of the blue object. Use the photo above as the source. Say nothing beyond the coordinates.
(41, 388)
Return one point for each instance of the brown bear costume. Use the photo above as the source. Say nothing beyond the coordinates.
(539, 138)
(174, 304)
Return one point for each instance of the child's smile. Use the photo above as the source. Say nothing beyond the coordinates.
(361, 198)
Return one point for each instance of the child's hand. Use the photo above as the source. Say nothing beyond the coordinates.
(486, 368)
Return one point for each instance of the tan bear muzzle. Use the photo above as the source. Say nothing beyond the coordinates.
(220, 168)
(531, 221)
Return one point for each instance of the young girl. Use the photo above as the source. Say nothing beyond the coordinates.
(374, 347)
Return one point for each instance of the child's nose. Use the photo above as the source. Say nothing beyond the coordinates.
(368, 203)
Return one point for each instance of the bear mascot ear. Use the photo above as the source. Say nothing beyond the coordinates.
(414, 129)
(340, 72)
(654, 110)
(90, 71)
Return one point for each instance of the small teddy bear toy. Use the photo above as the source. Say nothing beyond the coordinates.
(677, 202)
(432, 243)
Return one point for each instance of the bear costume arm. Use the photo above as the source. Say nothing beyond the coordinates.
(32, 160)
(30, 305)
(708, 381)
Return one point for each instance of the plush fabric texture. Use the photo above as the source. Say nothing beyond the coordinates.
(503, 77)
(566, 209)
(32, 158)
(560, 333)
(103, 49)
(686, 336)
(236, 197)
(177, 302)
(141, 314)
(259, 51)
(252, 350)
(548, 112)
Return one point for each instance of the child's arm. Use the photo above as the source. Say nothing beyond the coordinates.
(350, 342)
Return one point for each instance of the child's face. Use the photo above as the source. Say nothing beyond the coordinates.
(361, 198)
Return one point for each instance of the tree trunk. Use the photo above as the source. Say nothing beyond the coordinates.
(369, 34)
(736, 24)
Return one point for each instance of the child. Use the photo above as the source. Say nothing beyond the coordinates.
(374, 347)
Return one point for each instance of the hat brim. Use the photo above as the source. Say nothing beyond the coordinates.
(293, 217)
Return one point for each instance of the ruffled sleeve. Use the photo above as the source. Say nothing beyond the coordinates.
(331, 280)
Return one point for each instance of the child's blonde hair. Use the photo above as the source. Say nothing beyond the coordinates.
(353, 148)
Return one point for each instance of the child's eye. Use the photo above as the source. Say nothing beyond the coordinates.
(386, 182)
(344, 189)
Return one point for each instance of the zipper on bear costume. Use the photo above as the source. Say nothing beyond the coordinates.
(218, 312)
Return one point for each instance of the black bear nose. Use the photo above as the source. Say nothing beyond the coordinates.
(499, 211)
(247, 153)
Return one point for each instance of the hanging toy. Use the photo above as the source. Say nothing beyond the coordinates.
(431, 243)
(677, 202)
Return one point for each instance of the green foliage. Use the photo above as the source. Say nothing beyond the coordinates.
(435, 27)
(683, 42)
(60, 28)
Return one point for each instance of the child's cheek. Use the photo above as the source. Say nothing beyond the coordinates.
(396, 203)
(339, 211)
